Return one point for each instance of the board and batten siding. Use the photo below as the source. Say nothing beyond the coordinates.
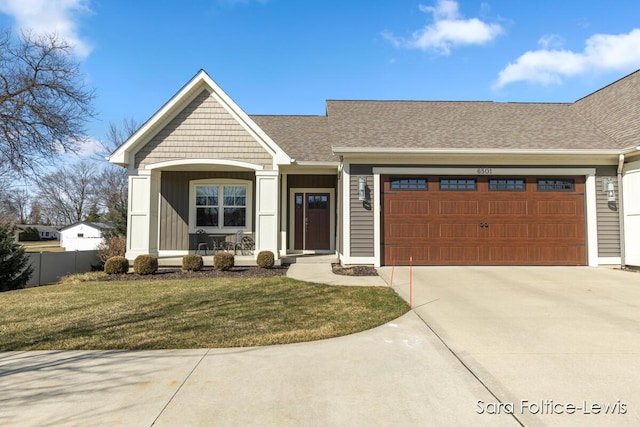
(174, 206)
(203, 129)
(608, 218)
(361, 213)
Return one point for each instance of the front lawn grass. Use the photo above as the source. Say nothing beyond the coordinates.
(188, 313)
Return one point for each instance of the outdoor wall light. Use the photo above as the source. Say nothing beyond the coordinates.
(362, 189)
(607, 187)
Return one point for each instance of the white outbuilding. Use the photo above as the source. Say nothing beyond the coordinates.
(83, 236)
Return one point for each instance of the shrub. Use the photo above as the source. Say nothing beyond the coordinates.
(112, 246)
(30, 234)
(116, 265)
(192, 263)
(15, 269)
(145, 264)
(265, 259)
(223, 261)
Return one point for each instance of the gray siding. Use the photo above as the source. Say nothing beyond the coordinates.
(174, 206)
(361, 218)
(203, 129)
(608, 218)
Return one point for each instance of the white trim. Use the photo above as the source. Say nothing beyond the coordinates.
(167, 254)
(609, 260)
(284, 232)
(492, 151)
(590, 196)
(332, 213)
(592, 219)
(220, 182)
(187, 162)
(357, 260)
(474, 171)
(346, 209)
(377, 213)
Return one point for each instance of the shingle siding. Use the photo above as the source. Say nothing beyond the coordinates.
(203, 129)
(361, 213)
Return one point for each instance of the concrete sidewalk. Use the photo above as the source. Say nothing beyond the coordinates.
(323, 273)
(396, 374)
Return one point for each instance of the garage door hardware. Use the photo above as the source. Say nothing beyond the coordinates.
(484, 225)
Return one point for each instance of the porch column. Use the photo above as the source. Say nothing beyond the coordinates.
(267, 190)
(631, 207)
(142, 214)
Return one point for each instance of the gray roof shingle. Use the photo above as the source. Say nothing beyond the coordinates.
(606, 119)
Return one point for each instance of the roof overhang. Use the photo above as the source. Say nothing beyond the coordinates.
(473, 155)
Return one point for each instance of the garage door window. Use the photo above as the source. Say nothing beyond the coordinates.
(507, 184)
(408, 183)
(556, 185)
(458, 184)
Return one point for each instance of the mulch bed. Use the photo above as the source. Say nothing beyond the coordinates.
(177, 273)
(355, 270)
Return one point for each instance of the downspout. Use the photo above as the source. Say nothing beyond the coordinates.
(621, 211)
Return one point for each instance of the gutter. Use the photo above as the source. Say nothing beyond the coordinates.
(491, 151)
(623, 262)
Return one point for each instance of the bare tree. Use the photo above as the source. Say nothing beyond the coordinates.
(69, 192)
(20, 202)
(44, 103)
(114, 180)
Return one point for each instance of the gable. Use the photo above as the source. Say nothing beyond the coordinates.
(201, 119)
(203, 129)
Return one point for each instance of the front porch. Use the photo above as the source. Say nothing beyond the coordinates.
(250, 261)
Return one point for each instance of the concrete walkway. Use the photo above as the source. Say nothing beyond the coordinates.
(322, 273)
(397, 374)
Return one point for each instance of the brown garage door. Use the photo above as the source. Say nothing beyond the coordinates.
(483, 220)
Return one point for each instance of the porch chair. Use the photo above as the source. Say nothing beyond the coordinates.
(202, 238)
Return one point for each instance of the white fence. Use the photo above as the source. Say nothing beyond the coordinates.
(49, 267)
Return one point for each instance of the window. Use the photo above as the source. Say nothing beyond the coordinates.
(556, 185)
(457, 184)
(408, 183)
(80, 234)
(318, 202)
(507, 184)
(220, 205)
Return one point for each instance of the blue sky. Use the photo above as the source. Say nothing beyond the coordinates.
(288, 57)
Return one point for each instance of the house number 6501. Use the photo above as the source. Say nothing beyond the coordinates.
(484, 171)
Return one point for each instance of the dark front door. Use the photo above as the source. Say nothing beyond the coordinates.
(312, 221)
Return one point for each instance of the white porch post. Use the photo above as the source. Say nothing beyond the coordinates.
(631, 206)
(267, 190)
(142, 213)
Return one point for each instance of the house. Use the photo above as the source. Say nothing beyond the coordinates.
(83, 236)
(393, 182)
(46, 232)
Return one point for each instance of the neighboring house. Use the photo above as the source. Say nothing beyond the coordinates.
(83, 236)
(46, 232)
(393, 182)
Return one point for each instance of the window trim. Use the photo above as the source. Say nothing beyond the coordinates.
(221, 183)
(506, 178)
(555, 190)
(475, 183)
(406, 178)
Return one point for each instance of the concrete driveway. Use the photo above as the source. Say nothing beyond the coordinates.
(558, 346)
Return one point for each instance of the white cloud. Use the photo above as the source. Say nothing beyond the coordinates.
(50, 16)
(89, 148)
(602, 52)
(448, 30)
